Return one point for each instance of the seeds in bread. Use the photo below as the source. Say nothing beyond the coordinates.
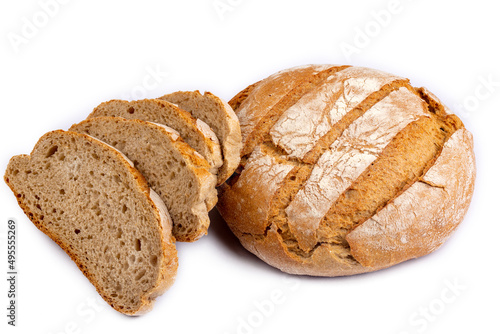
(338, 155)
(194, 131)
(89, 199)
(179, 175)
(221, 118)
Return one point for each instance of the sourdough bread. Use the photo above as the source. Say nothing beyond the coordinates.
(177, 173)
(194, 131)
(88, 198)
(221, 118)
(345, 170)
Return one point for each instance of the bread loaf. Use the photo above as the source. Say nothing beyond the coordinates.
(89, 199)
(345, 170)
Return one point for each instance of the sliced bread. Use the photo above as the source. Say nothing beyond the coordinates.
(223, 121)
(174, 170)
(194, 131)
(88, 198)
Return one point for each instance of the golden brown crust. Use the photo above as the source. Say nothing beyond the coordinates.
(264, 97)
(271, 249)
(422, 218)
(256, 203)
(238, 99)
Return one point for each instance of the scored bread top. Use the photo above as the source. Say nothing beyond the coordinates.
(221, 118)
(328, 148)
(86, 196)
(194, 131)
(171, 167)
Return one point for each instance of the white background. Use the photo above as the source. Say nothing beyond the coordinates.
(91, 51)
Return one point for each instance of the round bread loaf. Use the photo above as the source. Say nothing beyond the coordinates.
(345, 170)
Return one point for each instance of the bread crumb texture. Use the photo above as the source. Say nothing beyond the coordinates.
(171, 167)
(345, 170)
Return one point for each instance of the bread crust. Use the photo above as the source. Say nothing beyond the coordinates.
(169, 263)
(423, 217)
(249, 200)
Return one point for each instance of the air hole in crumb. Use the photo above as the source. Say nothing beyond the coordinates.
(132, 258)
(153, 260)
(131, 110)
(119, 233)
(77, 231)
(62, 192)
(138, 245)
(124, 208)
(95, 156)
(51, 151)
(16, 172)
(293, 178)
(140, 274)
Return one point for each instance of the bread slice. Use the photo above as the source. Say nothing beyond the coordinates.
(90, 200)
(171, 167)
(221, 118)
(194, 131)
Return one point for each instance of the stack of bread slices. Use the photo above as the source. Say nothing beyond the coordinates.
(118, 189)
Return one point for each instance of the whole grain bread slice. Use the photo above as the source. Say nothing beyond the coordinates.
(221, 118)
(194, 131)
(88, 198)
(173, 169)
